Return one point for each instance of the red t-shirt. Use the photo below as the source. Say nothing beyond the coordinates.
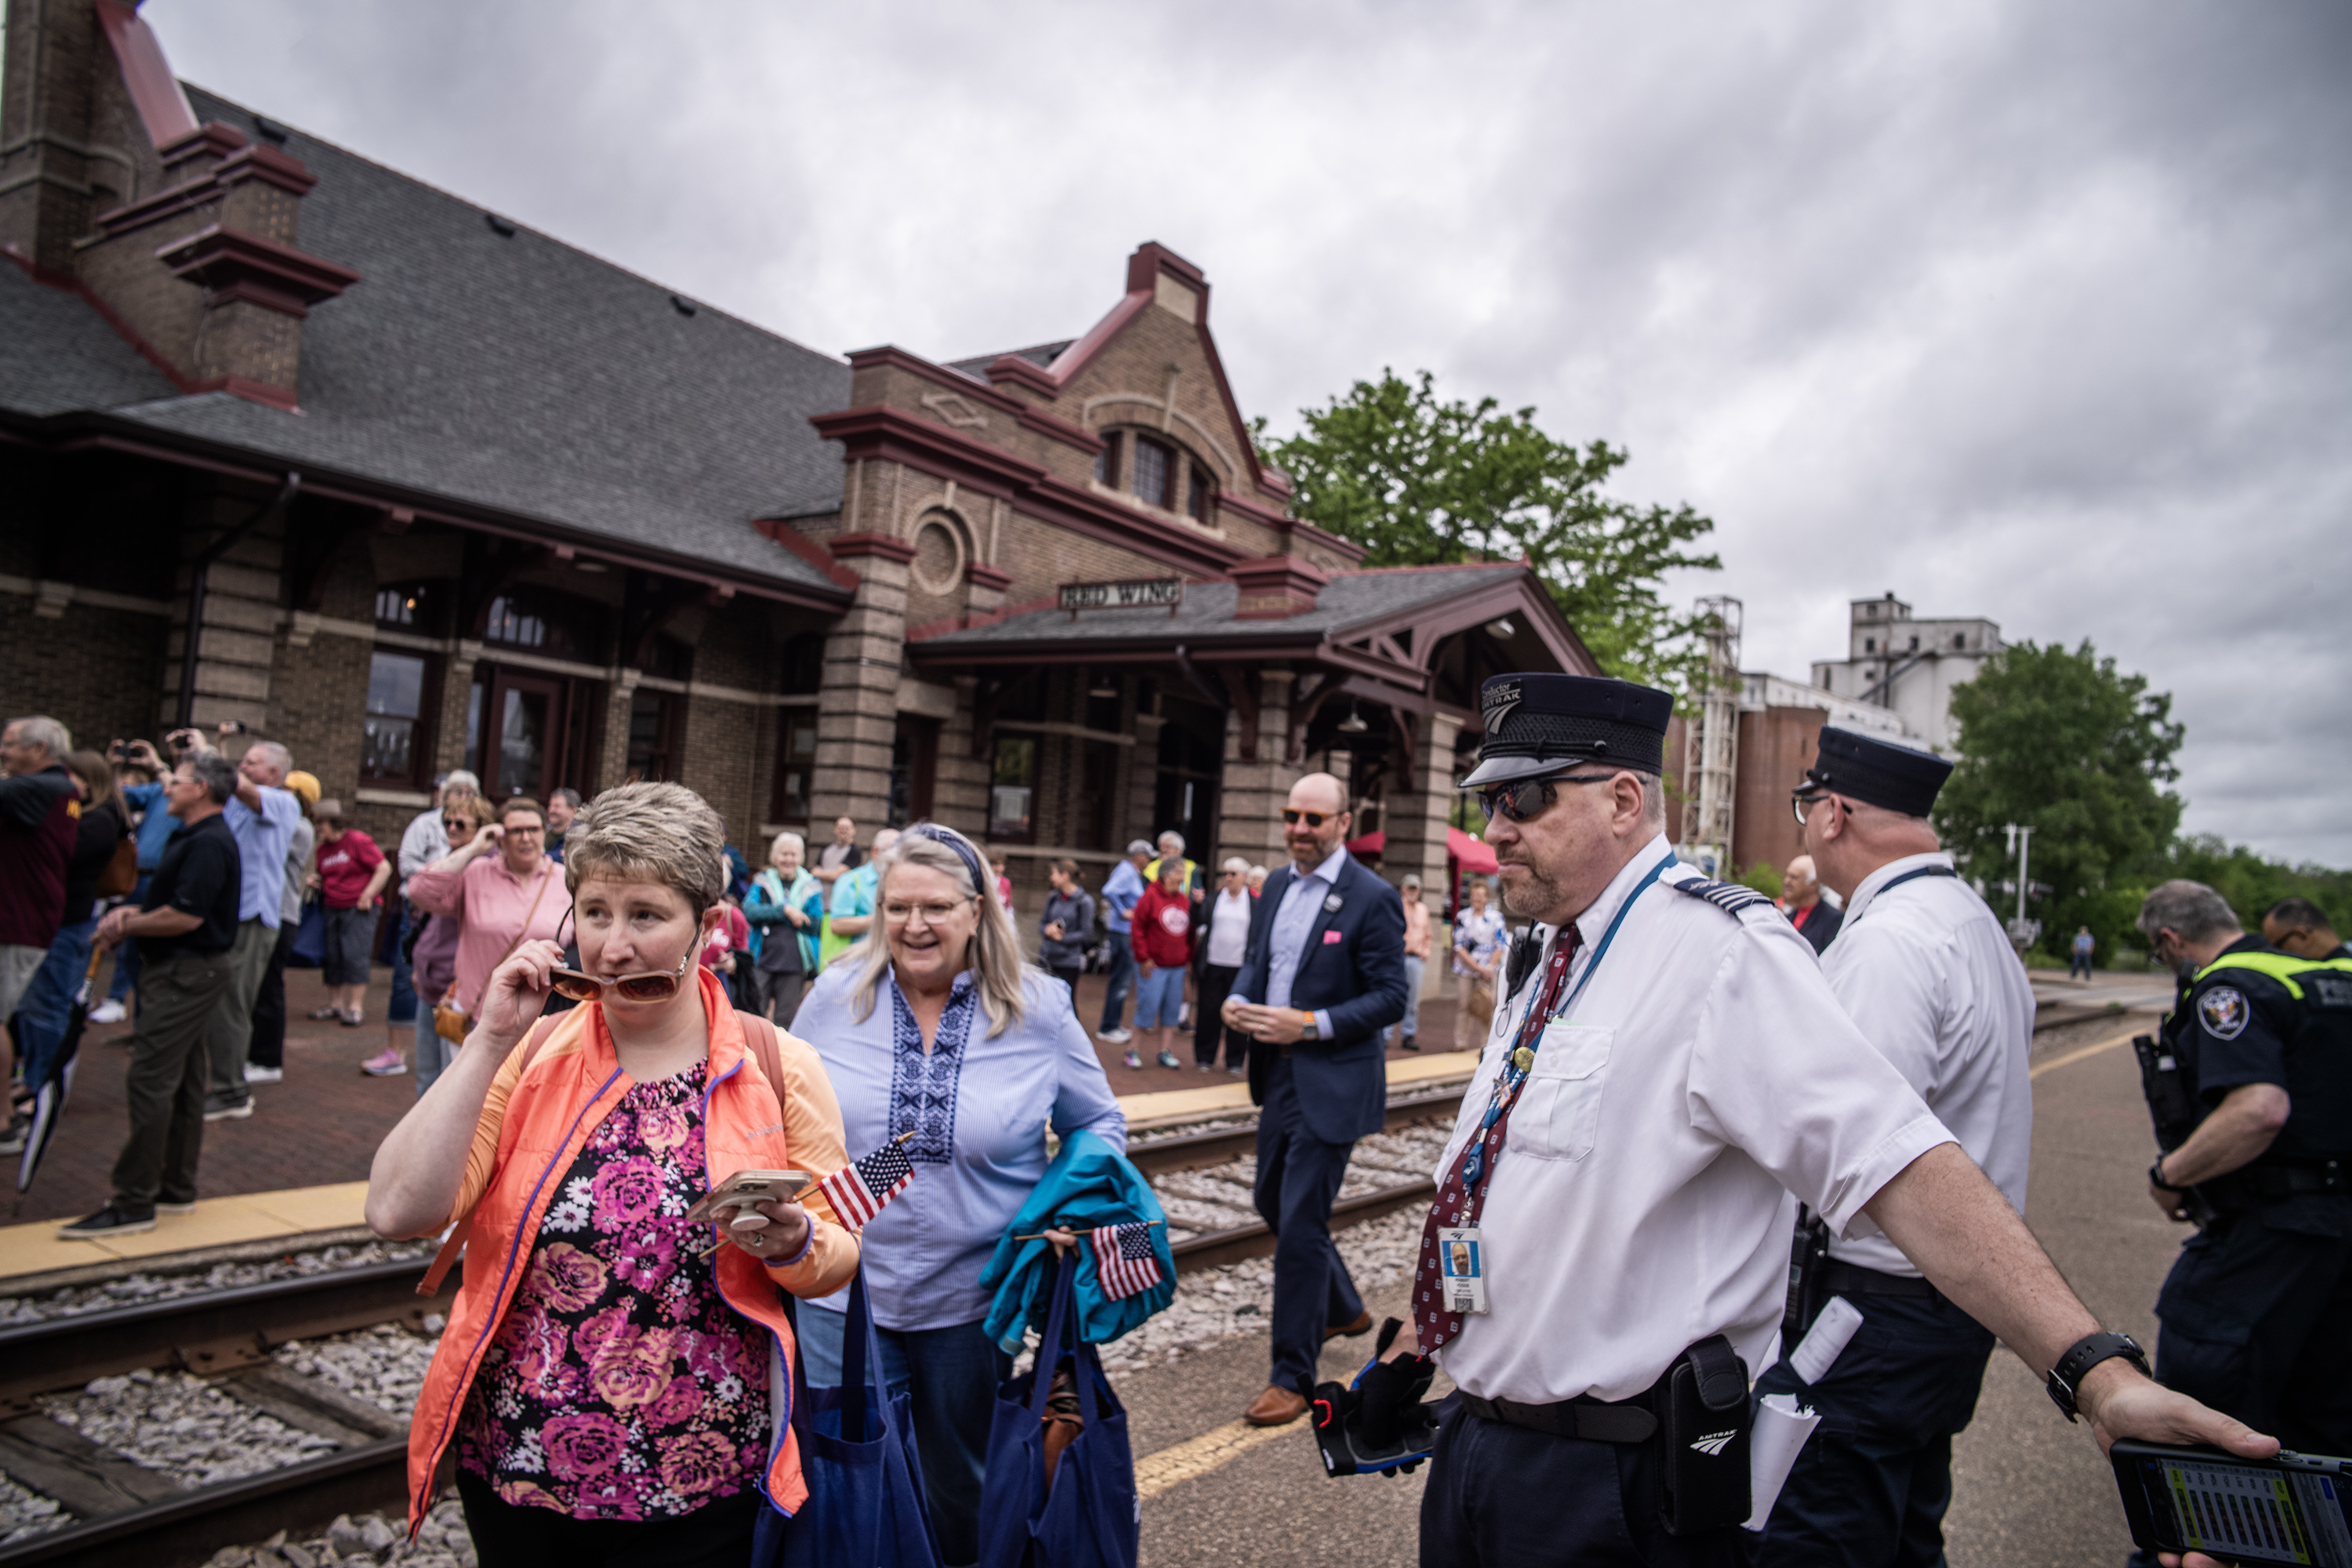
(345, 866)
(1163, 927)
(733, 936)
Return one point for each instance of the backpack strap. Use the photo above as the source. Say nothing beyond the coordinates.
(761, 1035)
(463, 1228)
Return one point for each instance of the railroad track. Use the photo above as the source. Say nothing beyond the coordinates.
(129, 1516)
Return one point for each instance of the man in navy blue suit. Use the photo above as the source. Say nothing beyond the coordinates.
(1322, 980)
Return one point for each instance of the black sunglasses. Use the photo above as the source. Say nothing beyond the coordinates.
(1294, 816)
(1523, 800)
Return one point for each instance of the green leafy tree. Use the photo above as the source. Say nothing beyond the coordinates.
(2253, 884)
(2063, 740)
(1420, 481)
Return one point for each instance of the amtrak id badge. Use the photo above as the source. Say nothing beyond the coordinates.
(1462, 1256)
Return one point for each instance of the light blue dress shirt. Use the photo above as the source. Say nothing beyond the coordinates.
(979, 1109)
(1286, 942)
(261, 840)
(1120, 890)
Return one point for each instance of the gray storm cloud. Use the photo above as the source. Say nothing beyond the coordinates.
(2026, 311)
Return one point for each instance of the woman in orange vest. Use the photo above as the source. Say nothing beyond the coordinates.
(609, 1386)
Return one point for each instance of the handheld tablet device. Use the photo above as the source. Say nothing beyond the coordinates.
(2291, 1507)
(745, 1188)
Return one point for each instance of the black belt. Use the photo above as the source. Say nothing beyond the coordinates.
(1594, 1420)
(1852, 1279)
(2287, 1181)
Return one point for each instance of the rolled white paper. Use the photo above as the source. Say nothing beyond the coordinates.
(1819, 1350)
(1781, 1428)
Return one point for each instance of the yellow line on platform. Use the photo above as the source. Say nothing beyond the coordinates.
(1155, 1473)
(36, 1248)
(2071, 1057)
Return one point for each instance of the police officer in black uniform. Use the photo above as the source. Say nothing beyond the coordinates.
(2257, 1310)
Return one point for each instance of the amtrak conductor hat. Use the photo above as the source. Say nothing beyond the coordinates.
(1878, 772)
(1542, 724)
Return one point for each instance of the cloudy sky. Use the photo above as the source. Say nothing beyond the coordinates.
(2033, 312)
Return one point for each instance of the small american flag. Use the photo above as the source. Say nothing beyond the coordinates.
(859, 1190)
(1123, 1259)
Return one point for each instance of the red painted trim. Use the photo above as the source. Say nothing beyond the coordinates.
(989, 577)
(1061, 430)
(852, 546)
(360, 490)
(1151, 258)
(243, 265)
(179, 379)
(1275, 587)
(808, 550)
(1024, 373)
(1079, 354)
(212, 138)
(269, 165)
(162, 106)
(177, 198)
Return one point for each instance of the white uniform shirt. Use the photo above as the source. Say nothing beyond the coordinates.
(1927, 975)
(1641, 1202)
(1229, 922)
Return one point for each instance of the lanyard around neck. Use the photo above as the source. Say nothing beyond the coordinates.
(1601, 949)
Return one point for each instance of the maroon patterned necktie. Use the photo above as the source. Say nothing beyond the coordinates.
(1458, 1203)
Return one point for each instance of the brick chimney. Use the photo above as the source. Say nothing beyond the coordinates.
(1275, 588)
(185, 234)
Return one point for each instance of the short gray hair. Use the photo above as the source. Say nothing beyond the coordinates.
(216, 773)
(1654, 800)
(46, 733)
(1235, 863)
(651, 832)
(276, 755)
(2189, 910)
(1170, 833)
(567, 794)
(776, 847)
(458, 778)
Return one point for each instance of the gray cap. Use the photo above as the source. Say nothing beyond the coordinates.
(1141, 846)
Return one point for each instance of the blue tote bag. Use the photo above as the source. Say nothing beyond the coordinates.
(866, 1503)
(1091, 1517)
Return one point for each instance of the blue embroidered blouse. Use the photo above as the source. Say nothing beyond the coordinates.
(979, 1107)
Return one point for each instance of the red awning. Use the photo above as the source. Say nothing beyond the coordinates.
(1371, 843)
(1470, 852)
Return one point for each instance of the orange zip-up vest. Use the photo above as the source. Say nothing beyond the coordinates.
(532, 1128)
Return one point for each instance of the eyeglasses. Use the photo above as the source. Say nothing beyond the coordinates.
(653, 985)
(1523, 800)
(1803, 801)
(1294, 816)
(933, 914)
(457, 826)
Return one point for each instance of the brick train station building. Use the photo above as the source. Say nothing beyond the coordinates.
(290, 439)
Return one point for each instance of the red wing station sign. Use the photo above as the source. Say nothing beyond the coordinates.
(1137, 593)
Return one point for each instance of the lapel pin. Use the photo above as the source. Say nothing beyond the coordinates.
(1332, 903)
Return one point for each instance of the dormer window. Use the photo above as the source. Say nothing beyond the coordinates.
(1155, 472)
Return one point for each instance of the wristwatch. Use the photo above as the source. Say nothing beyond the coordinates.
(2087, 1352)
(1307, 1030)
(2155, 1174)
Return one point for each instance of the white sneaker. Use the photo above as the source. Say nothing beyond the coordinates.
(1116, 1036)
(256, 1073)
(109, 1012)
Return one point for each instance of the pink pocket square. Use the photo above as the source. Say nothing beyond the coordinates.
(1330, 938)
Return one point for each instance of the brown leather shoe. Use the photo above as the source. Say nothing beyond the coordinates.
(1276, 1407)
(1362, 1325)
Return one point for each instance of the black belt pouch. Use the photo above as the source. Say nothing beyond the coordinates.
(1704, 1418)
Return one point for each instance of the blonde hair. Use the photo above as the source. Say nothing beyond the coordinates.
(999, 971)
(649, 832)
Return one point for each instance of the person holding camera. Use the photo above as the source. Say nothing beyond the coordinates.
(615, 1380)
(503, 890)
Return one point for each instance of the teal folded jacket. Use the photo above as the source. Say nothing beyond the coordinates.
(1089, 1184)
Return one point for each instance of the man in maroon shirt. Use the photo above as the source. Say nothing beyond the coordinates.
(39, 816)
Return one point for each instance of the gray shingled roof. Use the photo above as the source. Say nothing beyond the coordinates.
(520, 374)
(1042, 356)
(1349, 599)
(61, 354)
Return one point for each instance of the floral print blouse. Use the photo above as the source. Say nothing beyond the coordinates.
(621, 1385)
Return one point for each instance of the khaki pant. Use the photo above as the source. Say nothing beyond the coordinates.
(1469, 1034)
(231, 1032)
(179, 998)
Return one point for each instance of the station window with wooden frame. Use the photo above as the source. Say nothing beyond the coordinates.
(788, 800)
(1012, 789)
(1154, 476)
(393, 744)
(1199, 495)
(1106, 460)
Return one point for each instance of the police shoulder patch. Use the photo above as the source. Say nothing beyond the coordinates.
(1729, 897)
(2223, 1012)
